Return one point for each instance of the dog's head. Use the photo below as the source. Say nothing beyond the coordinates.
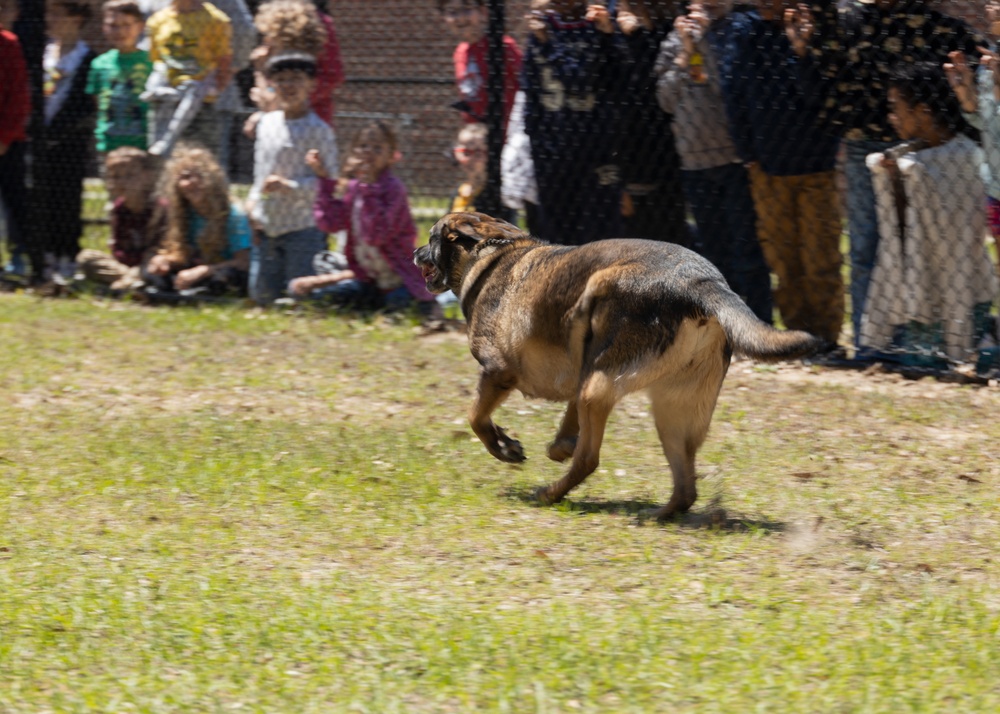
(455, 241)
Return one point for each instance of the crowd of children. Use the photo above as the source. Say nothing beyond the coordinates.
(617, 119)
(176, 231)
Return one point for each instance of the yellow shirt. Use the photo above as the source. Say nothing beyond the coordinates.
(191, 44)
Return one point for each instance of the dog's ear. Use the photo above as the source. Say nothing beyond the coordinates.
(463, 227)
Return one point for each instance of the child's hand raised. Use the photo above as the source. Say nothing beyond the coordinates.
(315, 162)
(959, 75)
(599, 15)
(991, 60)
(537, 25)
(799, 28)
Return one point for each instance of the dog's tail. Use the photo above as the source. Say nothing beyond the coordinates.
(750, 337)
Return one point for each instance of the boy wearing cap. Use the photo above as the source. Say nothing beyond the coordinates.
(284, 189)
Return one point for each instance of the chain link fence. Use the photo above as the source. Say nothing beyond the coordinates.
(836, 161)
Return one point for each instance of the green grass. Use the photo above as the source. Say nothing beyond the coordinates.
(218, 510)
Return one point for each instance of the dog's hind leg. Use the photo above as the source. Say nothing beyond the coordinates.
(494, 387)
(564, 444)
(593, 407)
(682, 414)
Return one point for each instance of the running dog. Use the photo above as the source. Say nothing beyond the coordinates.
(589, 324)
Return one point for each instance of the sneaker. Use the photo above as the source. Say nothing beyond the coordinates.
(830, 354)
(16, 265)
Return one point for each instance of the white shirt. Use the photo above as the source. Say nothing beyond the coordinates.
(280, 149)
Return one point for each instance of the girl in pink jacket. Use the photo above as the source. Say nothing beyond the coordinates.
(381, 235)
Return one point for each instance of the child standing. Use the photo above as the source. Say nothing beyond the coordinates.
(774, 123)
(295, 26)
(381, 235)
(15, 106)
(190, 44)
(118, 77)
(653, 200)
(284, 187)
(570, 68)
(60, 160)
(129, 174)
(981, 108)
(933, 282)
(206, 237)
(467, 21)
(715, 181)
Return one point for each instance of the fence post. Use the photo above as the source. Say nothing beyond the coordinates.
(489, 201)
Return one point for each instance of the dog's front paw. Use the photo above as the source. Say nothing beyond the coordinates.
(562, 449)
(506, 449)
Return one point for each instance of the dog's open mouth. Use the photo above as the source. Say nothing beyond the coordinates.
(429, 272)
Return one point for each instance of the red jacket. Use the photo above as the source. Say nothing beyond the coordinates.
(329, 73)
(472, 75)
(15, 99)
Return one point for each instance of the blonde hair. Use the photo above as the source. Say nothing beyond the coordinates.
(177, 210)
(291, 25)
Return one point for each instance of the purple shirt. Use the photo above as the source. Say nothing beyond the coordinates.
(385, 223)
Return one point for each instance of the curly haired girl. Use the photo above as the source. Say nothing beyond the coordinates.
(206, 240)
(295, 26)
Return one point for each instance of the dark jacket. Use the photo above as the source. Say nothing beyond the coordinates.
(854, 50)
(772, 120)
(570, 88)
(647, 152)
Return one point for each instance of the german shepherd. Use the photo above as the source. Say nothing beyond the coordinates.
(589, 324)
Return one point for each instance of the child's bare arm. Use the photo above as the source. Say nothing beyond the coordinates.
(962, 82)
(306, 284)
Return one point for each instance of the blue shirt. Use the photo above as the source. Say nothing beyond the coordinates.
(237, 231)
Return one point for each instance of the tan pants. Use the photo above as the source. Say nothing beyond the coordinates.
(102, 268)
(798, 225)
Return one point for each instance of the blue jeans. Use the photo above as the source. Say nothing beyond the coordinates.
(862, 223)
(279, 260)
(723, 209)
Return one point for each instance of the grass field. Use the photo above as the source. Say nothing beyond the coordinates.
(220, 510)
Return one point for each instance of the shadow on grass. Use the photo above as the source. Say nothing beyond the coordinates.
(713, 516)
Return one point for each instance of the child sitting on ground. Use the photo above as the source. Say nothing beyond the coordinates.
(206, 237)
(117, 79)
(284, 189)
(190, 46)
(933, 282)
(129, 174)
(381, 235)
